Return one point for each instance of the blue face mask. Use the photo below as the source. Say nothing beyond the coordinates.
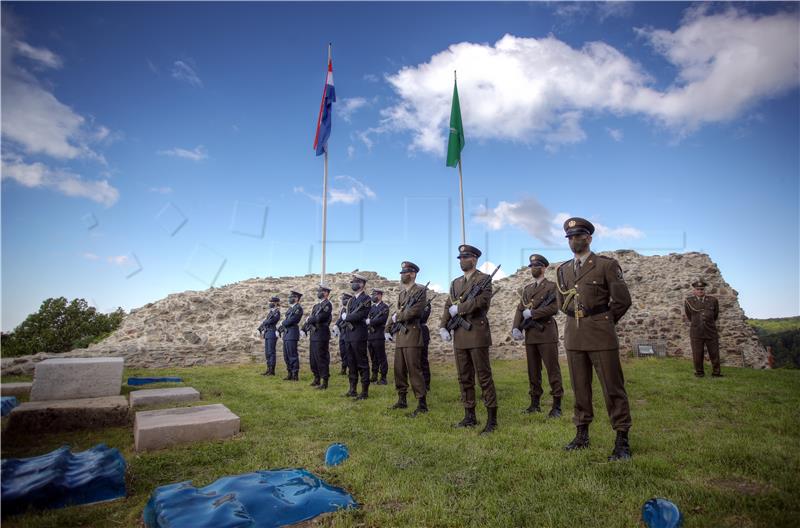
(355, 286)
(320, 295)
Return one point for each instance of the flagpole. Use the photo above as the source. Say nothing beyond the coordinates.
(325, 198)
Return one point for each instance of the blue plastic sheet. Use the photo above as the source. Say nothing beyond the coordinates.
(262, 499)
(661, 513)
(144, 381)
(61, 478)
(336, 454)
(8, 403)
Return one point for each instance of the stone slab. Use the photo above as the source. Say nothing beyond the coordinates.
(16, 389)
(168, 427)
(69, 415)
(142, 398)
(75, 378)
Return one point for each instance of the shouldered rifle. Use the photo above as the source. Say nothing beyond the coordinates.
(348, 324)
(396, 327)
(530, 322)
(477, 288)
(307, 326)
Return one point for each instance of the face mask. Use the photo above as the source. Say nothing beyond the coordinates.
(355, 286)
(466, 264)
(292, 300)
(272, 305)
(536, 272)
(320, 295)
(579, 244)
(374, 298)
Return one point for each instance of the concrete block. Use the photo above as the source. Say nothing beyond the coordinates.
(68, 415)
(168, 427)
(16, 389)
(142, 398)
(75, 378)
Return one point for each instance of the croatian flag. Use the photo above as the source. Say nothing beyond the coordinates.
(324, 119)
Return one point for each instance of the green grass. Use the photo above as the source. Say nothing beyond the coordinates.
(727, 451)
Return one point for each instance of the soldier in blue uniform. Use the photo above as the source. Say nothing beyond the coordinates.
(267, 330)
(290, 333)
(338, 331)
(319, 331)
(354, 320)
(426, 340)
(376, 343)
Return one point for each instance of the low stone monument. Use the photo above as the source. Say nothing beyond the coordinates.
(16, 389)
(142, 398)
(168, 427)
(73, 378)
(69, 415)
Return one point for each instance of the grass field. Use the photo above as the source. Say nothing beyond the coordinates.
(726, 451)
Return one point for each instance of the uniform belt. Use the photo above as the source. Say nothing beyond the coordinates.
(589, 311)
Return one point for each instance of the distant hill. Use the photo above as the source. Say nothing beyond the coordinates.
(783, 336)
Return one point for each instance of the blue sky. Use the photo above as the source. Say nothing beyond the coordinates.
(155, 148)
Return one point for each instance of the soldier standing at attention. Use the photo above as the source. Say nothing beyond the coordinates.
(534, 317)
(408, 340)
(320, 338)
(471, 346)
(290, 333)
(593, 294)
(426, 341)
(376, 344)
(339, 331)
(267, 331)
(355, 337)
(702, 311)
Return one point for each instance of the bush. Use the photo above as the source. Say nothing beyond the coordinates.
(60, 326)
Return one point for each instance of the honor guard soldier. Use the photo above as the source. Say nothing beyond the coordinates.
(593, 294)
(465, 315)
(290, 333)
(534, 323)
(426, 341)
(376, 344)
(407, 334)
(339, 331)
(318, 327)
(702, 311)
(355, 336)
(267, 329)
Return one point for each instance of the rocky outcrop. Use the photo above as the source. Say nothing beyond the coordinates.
(218, 325)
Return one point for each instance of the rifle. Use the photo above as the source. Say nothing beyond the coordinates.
(307, 327)
(349, 325)
(396, 327)
(371, 327)
(457, 320)
(530, 322)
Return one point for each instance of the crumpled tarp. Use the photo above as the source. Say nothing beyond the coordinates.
(8, 403)
(144, 381)
(661, 513)
(61, 478)
(262, 499)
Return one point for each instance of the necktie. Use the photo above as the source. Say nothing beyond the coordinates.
(577, 267)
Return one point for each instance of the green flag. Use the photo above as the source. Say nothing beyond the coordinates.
(456, 142)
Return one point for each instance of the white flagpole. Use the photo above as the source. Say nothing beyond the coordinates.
(460, 180)
(325, 189)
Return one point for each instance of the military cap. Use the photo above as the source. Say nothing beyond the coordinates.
(274, 299)
(408, 267)
(358, 276)
(296, 294)
(578, 226)
(538, 260)
(324, 286)
(466, 251)
(376, 290)
(699, 283)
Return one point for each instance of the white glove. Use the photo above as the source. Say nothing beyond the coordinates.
(344, 316)
(367, 320)
(516, 333)
(303, 333)
(526, 313)
(445, 335)
(335, 331)
(394, 317)
(453, 310)
(387, 336)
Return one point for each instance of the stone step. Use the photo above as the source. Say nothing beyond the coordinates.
(74, 378)
(167, 427)
(16, 389)
(142, 398)
(69, 415)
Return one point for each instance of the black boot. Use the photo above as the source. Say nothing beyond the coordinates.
(491, 421)
(581, 440)
(364, 392)
(271, 371)
(343, 371)
(382, 381)
(374, 377)
(535, 406)
(315, 383)
(266, 372)
(289, 376)
(422, 408)
(296, 376)
(401, 402)
(555, 412)
(323, 385)
(352, 392)
(622, 450)
(470, 420)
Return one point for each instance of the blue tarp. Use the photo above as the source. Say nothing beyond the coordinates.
(8, 403)
(262, 499)
(661, 513)
(144, 381)
(336, 454)
(61, 478)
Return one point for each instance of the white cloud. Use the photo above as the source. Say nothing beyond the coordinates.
(182, 71)
(533, 90)
(348, 106)
(489, 266)
(199, 153)
(90, 256)
(39, 175)
(161, 190)
(352, 192)
(527, 214)
(119, 260)
(615, 133)
(600, 230)
(371, 77)
(438, 288)
(351, 151)
(43, 56)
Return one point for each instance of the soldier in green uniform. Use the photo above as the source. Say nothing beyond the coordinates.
(702, 311)
(593, 294)
(471, 346)
(534, 323)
